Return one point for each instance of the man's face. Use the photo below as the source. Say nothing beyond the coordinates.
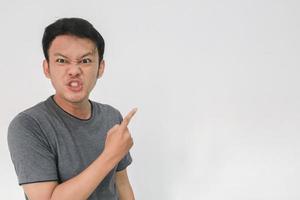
(73, 68)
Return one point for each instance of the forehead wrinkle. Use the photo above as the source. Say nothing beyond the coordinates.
(89, 53)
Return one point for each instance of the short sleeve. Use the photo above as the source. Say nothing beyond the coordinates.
(30, 152)
(127, 160)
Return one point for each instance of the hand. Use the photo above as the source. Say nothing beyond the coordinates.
(119, 140)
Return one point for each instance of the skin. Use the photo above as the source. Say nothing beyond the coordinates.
(73, 58)
(76, 59)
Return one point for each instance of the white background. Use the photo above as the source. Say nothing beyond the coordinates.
(216, 84)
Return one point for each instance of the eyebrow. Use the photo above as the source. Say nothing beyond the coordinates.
(59, 54)
(87, 54)
(84, 55)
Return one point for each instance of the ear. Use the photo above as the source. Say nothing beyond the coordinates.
(46, 68)
(101, 68)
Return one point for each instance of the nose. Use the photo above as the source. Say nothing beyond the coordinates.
(74, 70)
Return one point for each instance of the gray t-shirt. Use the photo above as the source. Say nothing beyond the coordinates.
(46, 143)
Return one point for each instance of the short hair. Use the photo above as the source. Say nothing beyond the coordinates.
(72, 26)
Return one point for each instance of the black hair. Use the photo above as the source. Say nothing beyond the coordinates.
(72, 26)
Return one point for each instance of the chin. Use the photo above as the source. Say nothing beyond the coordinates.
(75, 98)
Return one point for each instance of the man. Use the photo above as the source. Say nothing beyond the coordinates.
(69, 147)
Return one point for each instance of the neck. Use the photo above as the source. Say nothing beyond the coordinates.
(81, 110)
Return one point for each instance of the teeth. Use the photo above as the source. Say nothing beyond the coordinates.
(74, 84)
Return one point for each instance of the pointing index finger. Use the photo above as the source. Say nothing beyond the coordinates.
(128, 117)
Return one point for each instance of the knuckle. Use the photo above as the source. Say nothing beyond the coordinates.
(116, 126)
(127, 119)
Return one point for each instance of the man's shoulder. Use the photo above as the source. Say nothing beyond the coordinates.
(25, 120)
(107, 109)
(31, 113)
(105, 106)
(35, 110)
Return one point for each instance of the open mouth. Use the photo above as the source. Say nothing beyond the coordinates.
(75, 85)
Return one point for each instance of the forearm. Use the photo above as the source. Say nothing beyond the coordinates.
(81, 186)
(126, 192)
(123, 186)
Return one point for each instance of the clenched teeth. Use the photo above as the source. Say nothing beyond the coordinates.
(74, 84)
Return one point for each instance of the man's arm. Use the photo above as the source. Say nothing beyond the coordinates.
(80, 187)
(123, 186)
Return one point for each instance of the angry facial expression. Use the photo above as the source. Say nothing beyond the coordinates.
(73, 68)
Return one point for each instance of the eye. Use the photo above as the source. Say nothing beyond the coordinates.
(60, 60)
(86, 60)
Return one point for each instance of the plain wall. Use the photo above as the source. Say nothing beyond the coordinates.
(216, 84)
